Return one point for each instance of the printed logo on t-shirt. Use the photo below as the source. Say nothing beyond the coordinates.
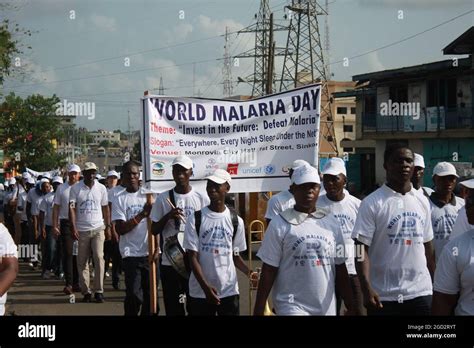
(345, 221)
(133, 210)
(443, 226)
(313, 250)
(407, 233)
(219, 241)
(89, 206)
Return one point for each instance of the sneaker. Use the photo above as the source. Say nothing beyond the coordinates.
(67, 290)
(76, 288)
(87, 298)
(99, 298)
(107, 274)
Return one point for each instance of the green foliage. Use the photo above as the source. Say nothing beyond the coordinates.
(104, 143)
(30, 127)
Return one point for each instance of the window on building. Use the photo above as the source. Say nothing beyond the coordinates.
(341, 110)
(346, 149)
(353, 111)
(348, 128)
(399, 93)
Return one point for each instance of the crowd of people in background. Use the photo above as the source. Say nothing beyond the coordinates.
(404, 249)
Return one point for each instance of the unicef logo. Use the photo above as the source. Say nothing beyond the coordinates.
(269, 169)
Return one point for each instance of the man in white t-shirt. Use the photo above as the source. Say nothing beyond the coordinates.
(444, 204)
(344, 208)
(461, 224)
(8, 265)
(454, 276)
(169, 223)
(284, 199)
(394, 232)
(417, 178)
(303, 256)
(88, 212)
(214, 247)
(111, 247)
(62, 231)
(129, 212)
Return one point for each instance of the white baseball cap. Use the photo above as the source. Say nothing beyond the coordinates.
(113, 173)
(444, 169)
(42, 181)
(98, 176)
(183, 161)
(47, 176)
(220, 176)
(419, 161)
(11, 182)
(58, 179)
(74, 168)
(31, 180)
(335, 166)
(305, 174)
(90, 166)
(298, 163)
(25, 175)
(468, 183)
(2, 188)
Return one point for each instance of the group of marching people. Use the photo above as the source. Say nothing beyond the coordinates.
(404, 249)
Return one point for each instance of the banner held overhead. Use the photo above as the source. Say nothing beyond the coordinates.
(254, 140)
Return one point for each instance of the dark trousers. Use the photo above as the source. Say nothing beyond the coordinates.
(112, 253)
(200, 306)
(417, 306)
(71, 276)
(49, 245)
(175, 291)
(137, 285)
(24, 240)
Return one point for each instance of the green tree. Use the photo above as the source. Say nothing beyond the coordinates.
(10, 46)
(30, 128)
(104, 143)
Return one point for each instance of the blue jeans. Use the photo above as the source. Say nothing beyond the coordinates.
(49, 250)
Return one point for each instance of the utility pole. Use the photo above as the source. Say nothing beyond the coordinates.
(260, 53)
(304, 62)
(227, 69)
(161, 88)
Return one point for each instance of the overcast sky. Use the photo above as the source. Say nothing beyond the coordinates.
(85, 58)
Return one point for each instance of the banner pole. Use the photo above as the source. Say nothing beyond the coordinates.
(151, 252)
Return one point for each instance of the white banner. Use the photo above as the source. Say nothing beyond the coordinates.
(254, 140)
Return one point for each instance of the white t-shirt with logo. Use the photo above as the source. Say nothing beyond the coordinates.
(461, 224)
(88, 205)
(35, 200)
(395, 226)
(306, 255)
(46, 206)
(455, 272)
(442, 220)
(215, 246)
(189, 202)
(278, 203)
(345, 211)
(62, 199)
(126, 206)
(7, 249)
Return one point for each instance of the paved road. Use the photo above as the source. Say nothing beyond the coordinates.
(32, 295)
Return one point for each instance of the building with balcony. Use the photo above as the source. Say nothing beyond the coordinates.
(429, 107)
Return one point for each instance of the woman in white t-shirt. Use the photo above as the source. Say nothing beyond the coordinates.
(8, 265)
